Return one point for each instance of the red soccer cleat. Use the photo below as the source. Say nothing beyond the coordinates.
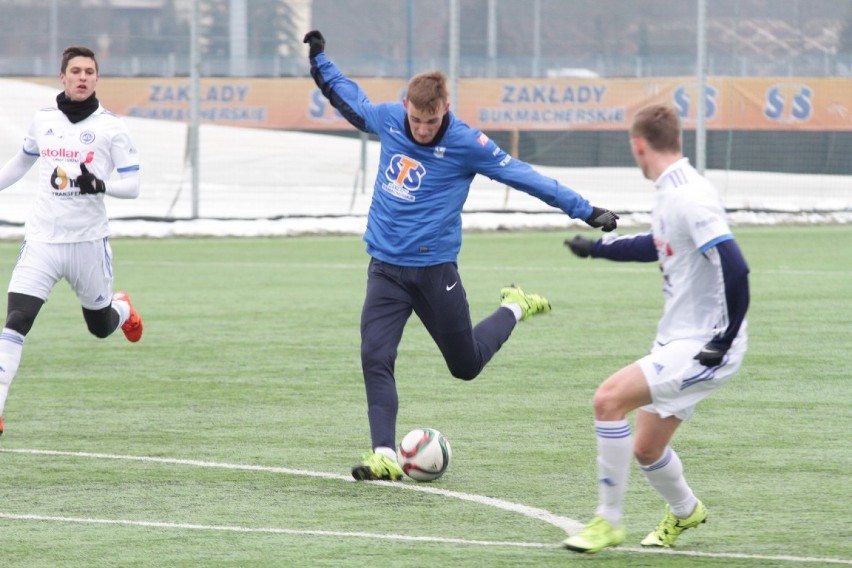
(132, 328)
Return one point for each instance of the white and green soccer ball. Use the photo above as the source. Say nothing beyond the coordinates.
(424, 454)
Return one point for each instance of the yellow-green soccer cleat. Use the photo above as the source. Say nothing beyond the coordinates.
(531, 304)
(670, 527)
(377, 466)
(595, 536)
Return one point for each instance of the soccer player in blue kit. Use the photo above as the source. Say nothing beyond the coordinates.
(414, 231)
(700, 343)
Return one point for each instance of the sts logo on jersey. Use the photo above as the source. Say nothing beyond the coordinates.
(686, 102)
(403, 176)
(788, 103)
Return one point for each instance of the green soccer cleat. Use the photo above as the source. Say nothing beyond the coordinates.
(670, 527)
(595, 536)
(377, 466)
(531, 304)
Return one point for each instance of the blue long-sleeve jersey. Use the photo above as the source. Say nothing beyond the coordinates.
(415, 214)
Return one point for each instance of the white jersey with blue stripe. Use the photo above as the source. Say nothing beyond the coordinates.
(688, 220)
(60, 214)
(420, 190)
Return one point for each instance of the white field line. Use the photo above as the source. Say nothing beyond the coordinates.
(399, 537)
(293, 532)
(569, 525)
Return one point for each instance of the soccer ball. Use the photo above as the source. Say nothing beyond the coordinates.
(424, 454)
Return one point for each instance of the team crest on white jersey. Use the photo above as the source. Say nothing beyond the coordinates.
(87, 137)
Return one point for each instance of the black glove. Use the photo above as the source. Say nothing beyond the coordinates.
(88, 183)
(580, 245)
(316, 41)
(602, 218)
(711, 355)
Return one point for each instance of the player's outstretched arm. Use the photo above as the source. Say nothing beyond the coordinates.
(629, 248)
(580, 246)
(342, 93)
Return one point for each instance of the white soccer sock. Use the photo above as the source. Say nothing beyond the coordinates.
(615, 452)
(516, 309)
(666, 476)
(11, 348)
(385, 451)
(122, 308)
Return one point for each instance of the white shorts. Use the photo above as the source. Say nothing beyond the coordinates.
(678, 382)
(87, 266)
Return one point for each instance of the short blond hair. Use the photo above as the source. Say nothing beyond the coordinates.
(428, 91)
(659, 125)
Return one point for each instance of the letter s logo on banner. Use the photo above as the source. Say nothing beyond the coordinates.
(788, 103)
(686, 102)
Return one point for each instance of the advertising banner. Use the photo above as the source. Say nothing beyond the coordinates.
(735, 103)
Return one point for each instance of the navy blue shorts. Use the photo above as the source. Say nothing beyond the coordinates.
(436, 294)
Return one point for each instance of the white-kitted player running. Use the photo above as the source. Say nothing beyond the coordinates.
(67, 231)
(700, 341)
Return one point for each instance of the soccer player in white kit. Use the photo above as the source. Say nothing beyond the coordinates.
(67, 231)
(700, 342)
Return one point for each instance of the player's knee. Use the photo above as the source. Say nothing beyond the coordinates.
(101, 323)
(464, 376)
(99, 330)
(646, 454)
(20, 320)
(607, 406)
(465, 372)
(21, 312)
(373, 356)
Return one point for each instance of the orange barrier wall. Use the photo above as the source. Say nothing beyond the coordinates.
(764, 103)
